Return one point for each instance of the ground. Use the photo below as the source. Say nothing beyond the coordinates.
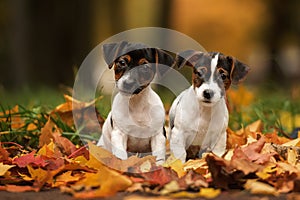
(57, 195)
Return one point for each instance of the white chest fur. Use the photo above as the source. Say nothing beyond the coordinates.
(140, 115)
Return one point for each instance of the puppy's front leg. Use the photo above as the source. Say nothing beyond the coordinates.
(158, 147)
(220, 147)
(119, 144)
(177, 144)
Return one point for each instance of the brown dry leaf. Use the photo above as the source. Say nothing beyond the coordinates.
(50, 132)
(47, 133)
(257, 187)
(235, 138)
(192, 180)
(223, 174)
(198, 165)
(253, 152)
(80, 110)
(275, 139)
(4, 155)
(159, 176)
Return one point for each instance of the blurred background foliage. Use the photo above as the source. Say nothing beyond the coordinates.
(43, 43)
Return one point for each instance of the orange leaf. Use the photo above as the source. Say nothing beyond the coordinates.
(107, 182)
(17, 188)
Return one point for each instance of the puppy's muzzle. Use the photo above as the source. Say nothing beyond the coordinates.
(132, 87)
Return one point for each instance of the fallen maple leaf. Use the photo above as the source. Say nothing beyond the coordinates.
(27, 159)
(253, 152)
(159, 176)
(4, 155)
(74, 110)
(65, 178)
(106, 181)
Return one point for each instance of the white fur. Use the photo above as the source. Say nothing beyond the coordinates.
(194, 122)
(138, 121)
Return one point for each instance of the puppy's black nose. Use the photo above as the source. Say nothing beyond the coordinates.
(208, 94)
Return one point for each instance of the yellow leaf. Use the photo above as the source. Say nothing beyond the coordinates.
(289, 121)
(292, 143)
(292, 156)
(39, 175)
(46, 149)
(31, 127)
(255, 126)
(65, 178)
(208, 193)
(107, 182)
(80, 160)
(4, 168)
(25, 177)
(170, 187)
(267, 171)
(256, 187)
(176, 165)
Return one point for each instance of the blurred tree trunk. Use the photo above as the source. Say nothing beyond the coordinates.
(18, 36)
(48, 38)
(283, 30)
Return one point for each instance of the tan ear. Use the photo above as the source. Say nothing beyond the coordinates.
(188, 57)
(111, 51)
(239, 70)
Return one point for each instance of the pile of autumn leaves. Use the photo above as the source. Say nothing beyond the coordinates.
(261, 164)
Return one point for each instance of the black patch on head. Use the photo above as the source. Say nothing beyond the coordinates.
(137, 59)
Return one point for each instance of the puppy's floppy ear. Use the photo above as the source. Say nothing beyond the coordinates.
(239, 70)
(111, 51)
(163, 58)
(188, 57)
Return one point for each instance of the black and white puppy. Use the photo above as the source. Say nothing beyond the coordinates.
(199, 115)
(136, 121)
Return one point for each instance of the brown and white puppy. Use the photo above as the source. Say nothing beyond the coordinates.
(199, 115)
(136, 121)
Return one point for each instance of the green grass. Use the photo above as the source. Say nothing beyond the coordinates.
(269, 106)
(35, 106)
(43, 96)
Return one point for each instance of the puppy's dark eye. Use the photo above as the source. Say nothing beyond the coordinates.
(223, 76)
(201, 71)
(122, 63)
